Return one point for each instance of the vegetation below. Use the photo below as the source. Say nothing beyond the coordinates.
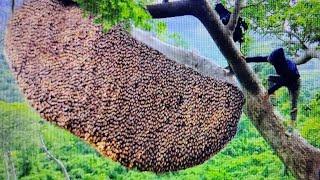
(248, 156)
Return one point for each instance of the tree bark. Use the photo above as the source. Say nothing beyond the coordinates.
(299, 156)
(202, 10)
(307, 56)
(51, 156)
(234, 17)
(201, 64)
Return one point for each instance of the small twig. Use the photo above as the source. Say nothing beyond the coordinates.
(51, 156)
(304, 46)
(301, 41)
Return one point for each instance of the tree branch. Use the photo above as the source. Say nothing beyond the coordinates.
(303, 44)
(307, 56)
(205, 13)
(170, 9)
(234, 17)
(201, 64)
(301, 41)
(51, 156)
(297, 154)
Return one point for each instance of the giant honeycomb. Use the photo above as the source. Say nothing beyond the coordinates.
(124, 98)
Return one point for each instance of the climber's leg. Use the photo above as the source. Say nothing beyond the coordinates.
(276, 82)
(294, 92)
(294, 89)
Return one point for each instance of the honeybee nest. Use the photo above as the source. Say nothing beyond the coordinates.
(127, 100)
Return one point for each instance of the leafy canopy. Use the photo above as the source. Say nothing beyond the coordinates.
(277, 16)
(111, 12)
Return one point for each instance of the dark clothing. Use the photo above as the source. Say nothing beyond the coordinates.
(225, 17)
(68, 2)
(257, 59)
(294, 93)
(276, 82)
(223, 13)
(284, 67)
(288, 76)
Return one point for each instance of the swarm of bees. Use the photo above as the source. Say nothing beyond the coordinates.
(127, 100)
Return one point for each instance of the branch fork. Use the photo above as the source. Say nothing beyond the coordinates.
(297, 154)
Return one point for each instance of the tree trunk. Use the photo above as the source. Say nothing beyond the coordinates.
(298, 155)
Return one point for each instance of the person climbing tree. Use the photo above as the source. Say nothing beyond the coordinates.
(288, 76)
(224, 14)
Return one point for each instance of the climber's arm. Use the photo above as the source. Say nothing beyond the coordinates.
(257, 59)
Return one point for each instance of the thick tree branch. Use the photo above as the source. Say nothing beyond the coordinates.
(205, 13)
(170, 9)
(201, 64)
(307, 56)
(234, 16)
(298, 155)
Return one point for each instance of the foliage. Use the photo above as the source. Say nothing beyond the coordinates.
(17, 133)
(128, 12)
(248, 156)
(111, 12)
(245, 46)
(15, 127)
(277, 16)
